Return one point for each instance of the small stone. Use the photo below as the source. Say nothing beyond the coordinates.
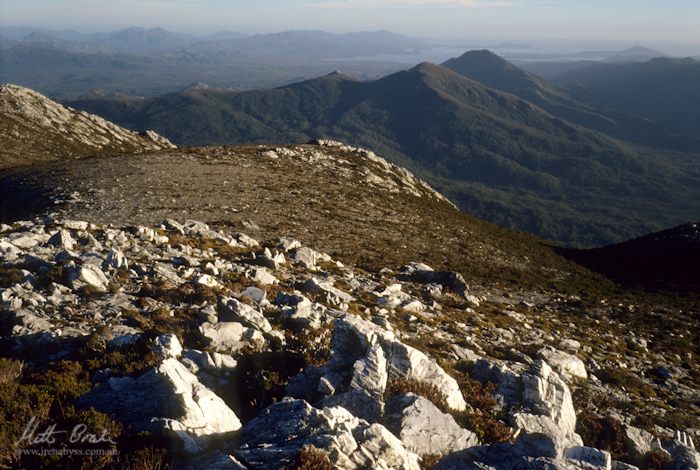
(86, 276)
(167, 346)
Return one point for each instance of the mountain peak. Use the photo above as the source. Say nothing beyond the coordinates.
(427, 67)
(481, 60)
(635, 54)
(337, 74)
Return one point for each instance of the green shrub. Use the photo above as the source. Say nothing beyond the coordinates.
(424, 389)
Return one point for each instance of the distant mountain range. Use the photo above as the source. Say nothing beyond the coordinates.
(155, 61)
(554, 67)
(498, 156)
(146, 41)
(575, 104)
(662, 90)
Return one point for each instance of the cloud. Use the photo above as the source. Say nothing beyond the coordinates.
(376, 4)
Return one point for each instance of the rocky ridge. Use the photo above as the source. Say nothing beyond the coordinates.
(35, 128)
(252, 354)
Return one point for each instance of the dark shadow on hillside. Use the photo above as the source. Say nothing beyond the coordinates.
(668, 260)
(22, 197)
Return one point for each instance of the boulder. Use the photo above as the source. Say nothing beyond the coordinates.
(306, 257)
(421, 273)
(509, 387)
(196, 360)
(62, 239)
(233, 310)
(289, 243)
(365, 395)
(115, 259)
(245, 240)
(262, 276)
(546, 394)
(638, 443)
(173, 226)
(230, 337)
(168, 400)
(505, 457)
(594, 457)
(273, 439)
(331, 295)
(352, 338)
(329, 383)
(255, 294)
(88, 276)
(539, 436)
(75, 224)
(167, 346)
(567, 365)
(28, 322)
(9, 251)
(208, 281)
(406, 362)
(26, 241)
(270, 260)
(683, 453)
(353, 343)
(423, 428)
(300, 312)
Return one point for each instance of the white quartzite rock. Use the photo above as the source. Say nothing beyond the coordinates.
(208, 281)
(333, 295)
(62, 239)
(306, 257)
(167, 346)
(683, 453)
(539, 436)
(638, 443)
(567, 365)
(274, 438)
(547, 394)
(365, 396)
(598, 458)
(230, 337)
(406, 362)
(211, 361)
(86, 276)
(231, 309)
(167, 399)
(115, 259)
(424, 429)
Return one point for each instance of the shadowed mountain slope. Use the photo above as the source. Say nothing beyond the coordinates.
(496, 72)
(497, 156)
(668, 259)
(662, 90)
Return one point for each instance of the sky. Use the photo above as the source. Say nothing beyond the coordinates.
(638, 21)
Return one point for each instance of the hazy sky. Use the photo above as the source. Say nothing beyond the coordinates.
(633, 20)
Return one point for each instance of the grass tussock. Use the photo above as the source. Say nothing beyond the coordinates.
(311, 458)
